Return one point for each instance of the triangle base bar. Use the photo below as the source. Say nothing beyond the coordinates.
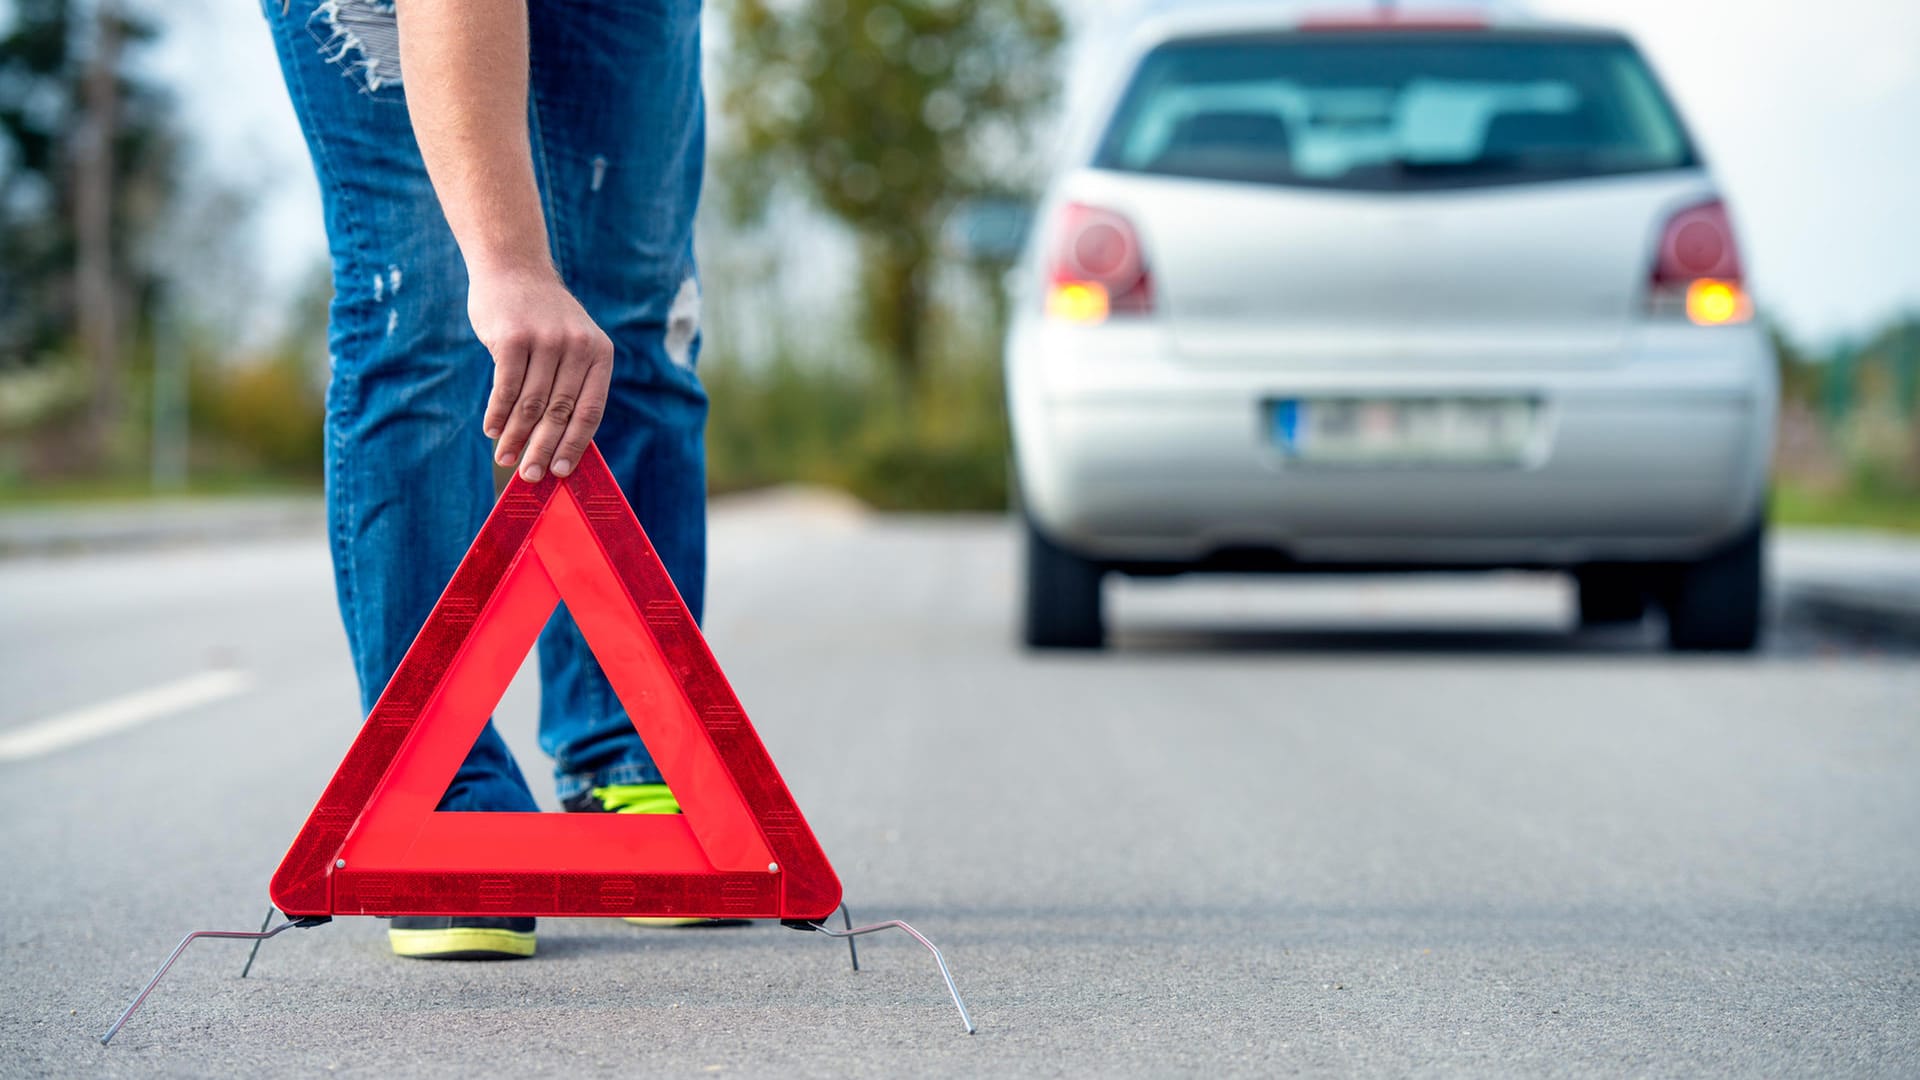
(710, 895)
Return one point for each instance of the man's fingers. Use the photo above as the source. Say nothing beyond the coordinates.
(509, 374)
(564, 403)
(586, 417)
(529, 407)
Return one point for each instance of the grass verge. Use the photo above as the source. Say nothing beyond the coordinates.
(1794, 505)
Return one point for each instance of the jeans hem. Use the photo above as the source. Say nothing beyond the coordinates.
(567, 785)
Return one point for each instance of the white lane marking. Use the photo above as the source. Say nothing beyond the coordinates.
(119, 714)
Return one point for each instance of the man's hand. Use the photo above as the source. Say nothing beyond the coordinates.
(551, 367)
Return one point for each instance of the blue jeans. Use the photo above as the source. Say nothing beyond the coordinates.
(617, 120)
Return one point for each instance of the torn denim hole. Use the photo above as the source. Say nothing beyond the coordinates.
(683, 323)
(363, 37)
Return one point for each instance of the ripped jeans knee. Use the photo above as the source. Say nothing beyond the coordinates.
(362, 37)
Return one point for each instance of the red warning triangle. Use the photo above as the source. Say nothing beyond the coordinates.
(375, 845)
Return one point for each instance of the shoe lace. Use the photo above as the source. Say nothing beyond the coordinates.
(637, 799)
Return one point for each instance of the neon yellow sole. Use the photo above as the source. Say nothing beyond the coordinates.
(669, 922)
(461, 943)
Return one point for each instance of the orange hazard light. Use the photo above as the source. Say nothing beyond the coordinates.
(1712, 302)
(1078, 301)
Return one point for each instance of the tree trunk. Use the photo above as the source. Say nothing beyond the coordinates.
(96, 290)
(896, 303)
(911, 318)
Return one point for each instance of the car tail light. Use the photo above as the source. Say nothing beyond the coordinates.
(1099, 269)
(1697, 272)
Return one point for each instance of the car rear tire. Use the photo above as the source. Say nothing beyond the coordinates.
(1063, 609)
(1716, 604)
(1611, 595)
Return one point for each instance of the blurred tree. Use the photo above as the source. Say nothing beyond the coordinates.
(87, 157)
(263, 413)
(1799, 376)
(886, 113)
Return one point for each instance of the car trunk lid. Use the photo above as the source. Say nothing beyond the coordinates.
(1553, 274)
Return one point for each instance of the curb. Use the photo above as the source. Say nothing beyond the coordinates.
(1891, 608)
(1859, 579)
(90, 530)
(86, 530)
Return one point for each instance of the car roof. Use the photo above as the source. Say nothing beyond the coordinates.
(1167, 19)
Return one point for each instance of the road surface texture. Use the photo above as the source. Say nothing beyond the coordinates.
(1384, 826)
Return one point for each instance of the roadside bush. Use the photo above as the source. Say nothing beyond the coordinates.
(1882, 451)
(896, 473)
(266, 417)
(785, 423)
(43, 412)
(943, 448)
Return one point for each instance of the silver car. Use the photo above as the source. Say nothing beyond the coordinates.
(1363, 290)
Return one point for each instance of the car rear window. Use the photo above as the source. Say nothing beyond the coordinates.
(1395, 111)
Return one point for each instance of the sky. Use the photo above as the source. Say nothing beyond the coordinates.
(1808, 114)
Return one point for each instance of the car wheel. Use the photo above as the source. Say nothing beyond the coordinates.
(1063, 597)
(1611, 595)
(1716, 604)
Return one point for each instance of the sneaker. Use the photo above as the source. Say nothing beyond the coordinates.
(624, 799)
(640, 799)
(460, 937)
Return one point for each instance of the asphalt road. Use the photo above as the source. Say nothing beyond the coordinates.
(1358, 827)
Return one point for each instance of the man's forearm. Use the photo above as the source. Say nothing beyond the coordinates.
(465, 63)
(465, 66)
(466, 70)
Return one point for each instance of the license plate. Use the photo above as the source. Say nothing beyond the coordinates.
(1406, 431)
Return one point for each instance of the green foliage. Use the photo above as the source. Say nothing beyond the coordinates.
(962, 470)
(796, 423)
(257, 419)
(1797, 504)
(40, 410)
(787, 423)
(885, 113)
(1850, 447)
(42, 62)
(1799, 375)
(1881, 451)
(266, 417)
(253, 420)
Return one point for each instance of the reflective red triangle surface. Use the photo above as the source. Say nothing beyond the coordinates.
(375, 845)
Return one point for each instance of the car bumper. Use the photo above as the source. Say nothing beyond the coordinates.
(1659, 455)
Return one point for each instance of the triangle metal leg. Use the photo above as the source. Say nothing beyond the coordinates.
(255, 951)
(853, 951)
(243, 935)
(852, 932)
